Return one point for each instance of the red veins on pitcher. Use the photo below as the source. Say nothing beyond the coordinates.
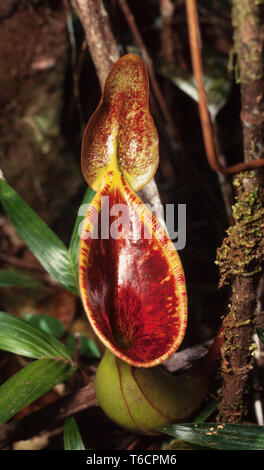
(131, 279)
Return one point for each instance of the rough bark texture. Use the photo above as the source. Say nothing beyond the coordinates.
(241, 255)
(99, 36)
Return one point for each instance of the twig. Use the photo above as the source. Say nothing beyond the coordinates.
(171, 45)
(183, 360)
(48, 417)
(211, 153)
(99, 37)
(167, 44)
(75, 74)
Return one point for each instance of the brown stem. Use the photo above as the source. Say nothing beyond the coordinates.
(171, 49)
(215, 159)
(167, 43)
(236, 352)
(75, 65)
(241, 254)
(195, 46)
(48, 417)
(99, 37)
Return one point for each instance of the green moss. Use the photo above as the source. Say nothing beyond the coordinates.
(242, 250)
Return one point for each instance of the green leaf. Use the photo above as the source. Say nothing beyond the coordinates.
(71, 435)
(178, 444)
(260, 333)
(30, 383)
(219, 436)
(18, 337)
(46, 323)
(10, 278)
(88, 347)
(75, 238)
(40, 239)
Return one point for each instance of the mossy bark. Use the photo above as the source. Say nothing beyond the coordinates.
(240, 257)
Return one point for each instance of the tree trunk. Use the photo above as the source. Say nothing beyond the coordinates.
(241, 255)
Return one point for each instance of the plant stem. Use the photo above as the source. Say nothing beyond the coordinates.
(99, 37)
(241, 255)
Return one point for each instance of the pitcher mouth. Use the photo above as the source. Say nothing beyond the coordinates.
(133, 291)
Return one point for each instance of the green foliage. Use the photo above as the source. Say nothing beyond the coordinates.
(40, 239)
(71, 435)
(53, 364)
(19, 337)
(178, 444)
(61, 263)
(46, 323)
(219, 436)
(35, 336)
(88, 347)
(30, 383)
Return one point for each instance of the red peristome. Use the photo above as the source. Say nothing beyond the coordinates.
(133, 289)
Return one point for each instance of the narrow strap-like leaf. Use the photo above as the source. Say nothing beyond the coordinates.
(71, 435)
(219, 436)
(18, 336)
(30, 383)
(40, 239)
